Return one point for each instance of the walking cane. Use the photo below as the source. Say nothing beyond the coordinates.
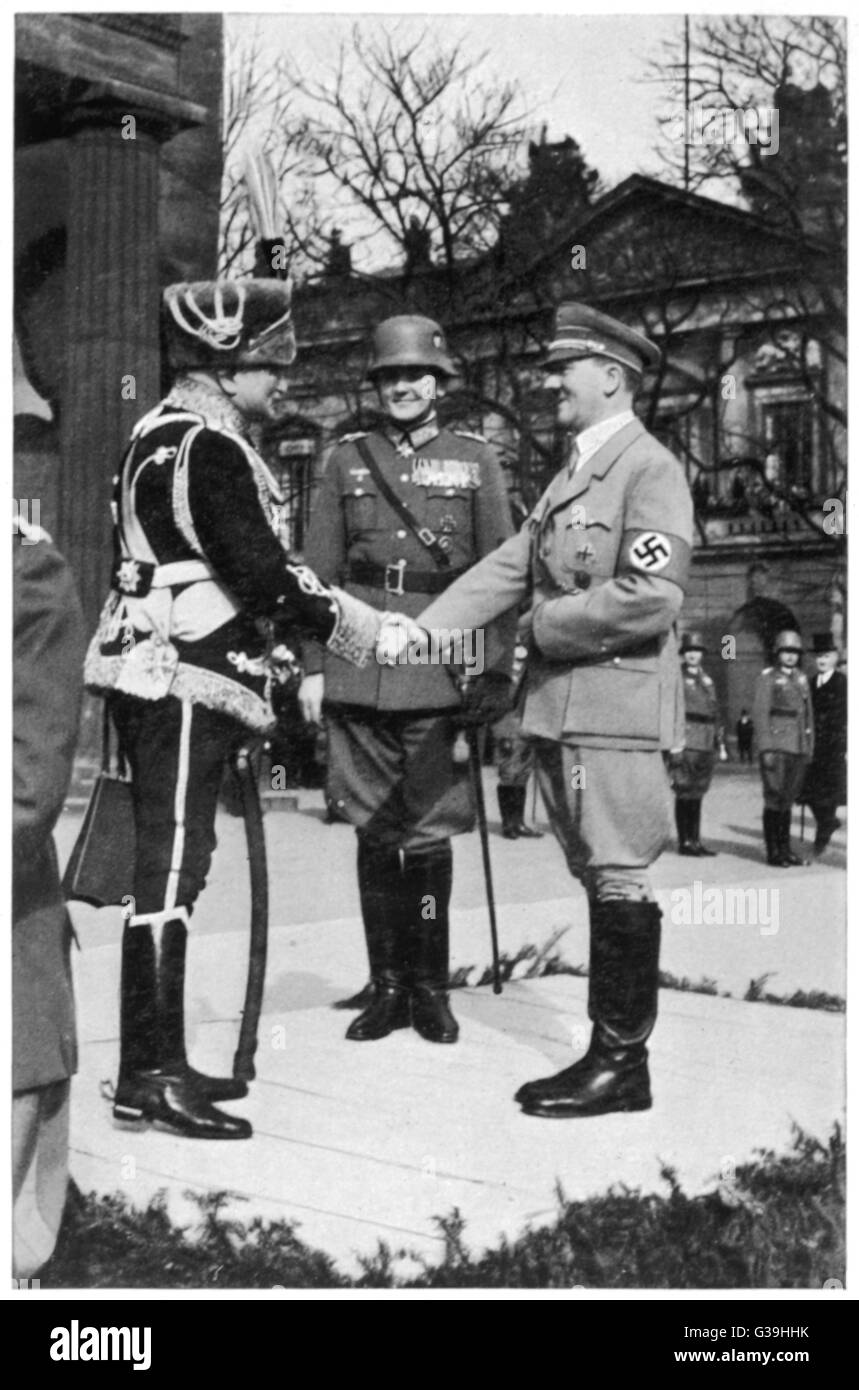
(471, 736)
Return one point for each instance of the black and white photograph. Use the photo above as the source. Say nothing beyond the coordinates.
(429, 658)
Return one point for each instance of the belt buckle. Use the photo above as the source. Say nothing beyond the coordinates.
(397, 587)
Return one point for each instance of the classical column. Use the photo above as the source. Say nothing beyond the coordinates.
(111, 327)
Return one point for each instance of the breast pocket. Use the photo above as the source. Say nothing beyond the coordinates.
(583, 541)
(448, 513)
(360, 510)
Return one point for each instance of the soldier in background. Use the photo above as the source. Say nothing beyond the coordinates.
(691, 769)
(402, 512)
(515, 762)
(745, 735)
(202, 597)
(784, 726)
(825, 785)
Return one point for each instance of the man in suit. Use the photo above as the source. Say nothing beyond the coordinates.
(825, 786)
(784, 727)
(603, 559)
(401, 512)
(203, 598)
(48, 651)
(691, 768)
(745, 735)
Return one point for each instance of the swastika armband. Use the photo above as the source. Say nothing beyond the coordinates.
(655, 552)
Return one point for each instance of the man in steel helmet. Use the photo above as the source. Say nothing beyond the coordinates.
(784, 728)
(691, 769)
(202, 594)
(392, 730)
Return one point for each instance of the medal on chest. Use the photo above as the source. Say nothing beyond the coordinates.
(447, 473)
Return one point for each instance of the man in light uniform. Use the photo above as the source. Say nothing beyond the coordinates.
(604, 558)
(691, 768)
(784, 728)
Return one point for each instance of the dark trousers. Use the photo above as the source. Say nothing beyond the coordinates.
(177, 752)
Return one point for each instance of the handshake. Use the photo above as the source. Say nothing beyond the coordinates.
(396, 634)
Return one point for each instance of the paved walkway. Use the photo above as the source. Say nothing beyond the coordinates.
(368, 1143)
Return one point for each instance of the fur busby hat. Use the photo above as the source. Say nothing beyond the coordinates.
(233, 324)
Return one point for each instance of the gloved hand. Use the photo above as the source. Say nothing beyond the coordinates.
(485, 698)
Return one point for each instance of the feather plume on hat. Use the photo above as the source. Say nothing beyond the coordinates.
(261, 192)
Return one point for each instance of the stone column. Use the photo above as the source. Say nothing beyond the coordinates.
(111, 327)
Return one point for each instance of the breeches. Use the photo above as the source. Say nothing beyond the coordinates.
(515, 761)
(782, 775)
(691, 773)
(177, 753)
(393, 775)
(610, 811)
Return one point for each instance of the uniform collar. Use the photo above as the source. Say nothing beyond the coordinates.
(408, 441)
(590, 440)
(217, 409)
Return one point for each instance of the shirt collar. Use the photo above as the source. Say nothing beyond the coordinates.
(405, 440)
(590, 440)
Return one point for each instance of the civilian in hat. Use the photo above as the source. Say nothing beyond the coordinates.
(203, 597)
(602, 563)
(784, 726)
(402, 511)
(825, 785)
(691, 768)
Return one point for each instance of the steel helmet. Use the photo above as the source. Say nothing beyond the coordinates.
(692, 642)
(788, 641)
(409, 340)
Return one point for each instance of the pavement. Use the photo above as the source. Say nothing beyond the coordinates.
(362, 1144)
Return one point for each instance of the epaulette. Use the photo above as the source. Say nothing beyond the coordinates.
(350, 438)
(708, 680)
(469, 434)
(767, 671)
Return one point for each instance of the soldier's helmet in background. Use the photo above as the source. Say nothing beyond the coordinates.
(787, 641)
(410, 340)
(229, 324)
(692, 642)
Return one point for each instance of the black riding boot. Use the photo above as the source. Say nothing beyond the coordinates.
(507, 807)
(787, 853)
(156, 1085)
(380, 886)
(695, 826)
(428, 879)
(517, 801)
(622, 1000)
(171, 1008)
(683, 819)
(771, 839)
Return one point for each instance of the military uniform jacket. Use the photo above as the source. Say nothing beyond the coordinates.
(604, 558)
(49, 647)
(826, 779)
(202, 588)
(452, 483)
(701, 711)
(783, 715)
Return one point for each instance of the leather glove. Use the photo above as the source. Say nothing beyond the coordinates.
(485, 698)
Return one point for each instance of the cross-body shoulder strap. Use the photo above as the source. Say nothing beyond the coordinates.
(427, 538)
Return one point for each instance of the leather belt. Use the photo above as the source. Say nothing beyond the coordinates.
(398, 579)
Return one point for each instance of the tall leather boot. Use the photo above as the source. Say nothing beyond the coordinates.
(153, 1087)
(683, 816)
(787, 854)
(771, 840)
(517, 801)
(622, 1002)
(170, 983)
(381, 889)
(506, 805)
(427, 881)
(695, 828)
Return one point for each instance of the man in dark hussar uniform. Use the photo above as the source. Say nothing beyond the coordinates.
(691, 769)
(603, 559)
(784, 727)
(203, 597)
(825, 785)
(402, 512)
(515, 762)
(48, 648)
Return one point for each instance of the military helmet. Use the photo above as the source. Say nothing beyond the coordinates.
(692, 642)
(234, 324)
(788, 641)
(409, 340)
